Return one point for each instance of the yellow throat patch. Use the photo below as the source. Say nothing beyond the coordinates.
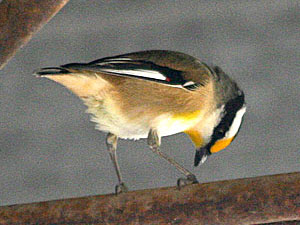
(190, 119)
(187, 116)
(195, 137)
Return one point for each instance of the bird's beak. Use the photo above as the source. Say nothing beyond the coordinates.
(201, 155)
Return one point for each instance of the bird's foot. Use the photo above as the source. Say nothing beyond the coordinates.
(121, 188)
(190, 179)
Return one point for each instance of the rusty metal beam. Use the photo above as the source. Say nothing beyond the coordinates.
(19, 20)
(283, 223)
(259, 200)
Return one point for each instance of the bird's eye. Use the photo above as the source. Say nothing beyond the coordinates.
(221, 131)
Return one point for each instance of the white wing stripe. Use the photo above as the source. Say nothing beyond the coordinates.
(113, 61)
(139, 73)
(118, 59)
(189, 83)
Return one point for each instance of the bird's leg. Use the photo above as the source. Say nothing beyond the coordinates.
(154, 143)
(111, 142)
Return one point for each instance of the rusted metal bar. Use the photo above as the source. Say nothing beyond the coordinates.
(259, 200)
(19, 20)
(282, 223)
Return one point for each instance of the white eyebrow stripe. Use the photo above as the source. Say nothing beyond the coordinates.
(236, 123)
(139, 73)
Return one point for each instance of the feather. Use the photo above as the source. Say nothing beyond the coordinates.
(201, 156)
(139, 69)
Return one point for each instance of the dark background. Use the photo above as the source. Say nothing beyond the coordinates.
(50, 150)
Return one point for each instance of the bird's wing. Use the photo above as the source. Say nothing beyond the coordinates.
(139, 68)
(174, 69)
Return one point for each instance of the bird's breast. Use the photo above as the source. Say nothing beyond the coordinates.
(169, 124)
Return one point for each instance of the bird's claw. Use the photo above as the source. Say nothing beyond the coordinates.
(121, 188)
(190, 179)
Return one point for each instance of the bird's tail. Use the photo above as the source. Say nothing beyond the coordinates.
(50, 71)
(75, 77)
(64, 69)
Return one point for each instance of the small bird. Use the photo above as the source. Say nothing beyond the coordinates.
(156, 93)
